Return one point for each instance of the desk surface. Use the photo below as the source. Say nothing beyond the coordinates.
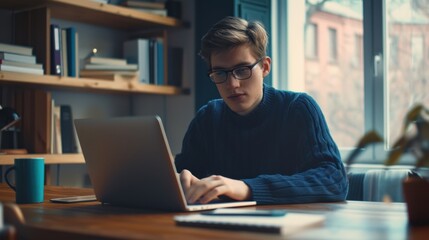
(344, 220)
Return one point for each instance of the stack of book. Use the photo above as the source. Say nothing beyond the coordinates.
(157, 8)
(14, 58)
(109, 69)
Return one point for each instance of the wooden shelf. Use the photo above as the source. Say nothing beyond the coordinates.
(49, 158)
(88, 84)
(108, 15)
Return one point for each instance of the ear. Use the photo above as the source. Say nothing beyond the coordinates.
(266, 66)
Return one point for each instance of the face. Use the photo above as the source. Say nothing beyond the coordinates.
(241, 96)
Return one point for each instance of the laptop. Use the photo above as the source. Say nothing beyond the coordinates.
(130, 164)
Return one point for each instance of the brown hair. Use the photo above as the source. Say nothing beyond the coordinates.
(232, 32)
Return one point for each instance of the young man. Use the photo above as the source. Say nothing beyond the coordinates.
(256, 143)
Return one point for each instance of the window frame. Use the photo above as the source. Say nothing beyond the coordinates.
(374, 37)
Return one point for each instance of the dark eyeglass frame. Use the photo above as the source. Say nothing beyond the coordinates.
(233, 72)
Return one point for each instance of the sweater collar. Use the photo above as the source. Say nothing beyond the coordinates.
(259, 113)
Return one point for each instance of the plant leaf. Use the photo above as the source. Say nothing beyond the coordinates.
(368, 138)
(394, 156)
(412, 116)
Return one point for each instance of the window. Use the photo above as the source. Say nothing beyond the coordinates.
(332, 45)
(416, 52)
(380, 49)
(407, 80)
(358, 51)
(311, 41)
(394, 44)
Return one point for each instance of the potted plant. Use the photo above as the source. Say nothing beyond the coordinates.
(415, 141)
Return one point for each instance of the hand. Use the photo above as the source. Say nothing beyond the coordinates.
(210, 188)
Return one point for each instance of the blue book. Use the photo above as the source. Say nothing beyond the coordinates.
(71, 51)
(159, 62)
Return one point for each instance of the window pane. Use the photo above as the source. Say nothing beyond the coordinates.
(332, 45)
(311, 41)
(335, 77)
(407, 71)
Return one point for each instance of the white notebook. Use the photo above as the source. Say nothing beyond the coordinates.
(285, 225)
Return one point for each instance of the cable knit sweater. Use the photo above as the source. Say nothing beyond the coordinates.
(282, 150)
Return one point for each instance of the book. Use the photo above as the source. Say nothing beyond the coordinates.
(137, 52)
(11, 68)
(21, 64)
(285, 225)
(67, 129)
(160, 12)
(57, 147)
(160, 65)
(106, 61)
(152, 61)
(101, 1)
(11, 48)
(131, 67)
(77, 53)
(72, 52)
(130, 76)
(64, 58)
(55, 50)
(17, 57)
(143, 4)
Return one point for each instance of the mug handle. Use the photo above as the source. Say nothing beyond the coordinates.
(6, 178)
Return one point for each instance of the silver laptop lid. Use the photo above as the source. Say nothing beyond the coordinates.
(130, 163)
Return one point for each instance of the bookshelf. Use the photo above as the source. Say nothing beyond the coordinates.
(32, 20)
(87, 84)
(49, 158)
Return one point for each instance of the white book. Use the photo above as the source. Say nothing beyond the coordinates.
(106, 61)
(11, 48)
(160, 12)
(143, 4)
(101, 1)
(21, 64)
(110, 67)
(64, 57)
(10, 68)
(137, 51)
(17, 57)
(57, 142)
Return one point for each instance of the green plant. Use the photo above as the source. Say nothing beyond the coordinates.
(414, 139)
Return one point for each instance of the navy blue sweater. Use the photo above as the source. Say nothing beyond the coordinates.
(282, 150)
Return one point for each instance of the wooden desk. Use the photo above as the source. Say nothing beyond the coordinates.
(345, 220)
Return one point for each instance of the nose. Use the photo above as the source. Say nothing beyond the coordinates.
(232, 81)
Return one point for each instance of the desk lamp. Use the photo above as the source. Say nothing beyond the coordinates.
(8, 117)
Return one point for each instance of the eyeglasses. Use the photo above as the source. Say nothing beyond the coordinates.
(240, 73)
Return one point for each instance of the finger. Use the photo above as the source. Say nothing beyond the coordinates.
(213, 194)
(186, 178)
(201, 188)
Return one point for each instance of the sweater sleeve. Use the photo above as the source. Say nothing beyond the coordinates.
(320, 177)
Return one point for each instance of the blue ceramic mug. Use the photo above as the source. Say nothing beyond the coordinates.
(29, 179)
